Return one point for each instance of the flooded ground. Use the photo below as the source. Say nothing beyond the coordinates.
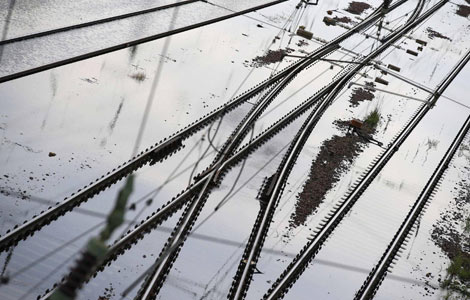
(62, 128)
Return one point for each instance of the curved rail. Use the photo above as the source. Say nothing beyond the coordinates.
(378, 273)
(248, 262)
(298, 265)
(95, 22)
(171, 250)
(161, 149)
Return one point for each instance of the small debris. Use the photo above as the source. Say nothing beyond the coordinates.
(52, 154)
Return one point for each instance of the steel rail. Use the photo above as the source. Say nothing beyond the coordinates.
(192, 211)
(156, 218)
(169, 253)
(95, 22)
(132, 43)
(177, 202)
(378, 273)
(248, 262)
(19, 232)
(155, 280)
(172, 248)
(296, 267)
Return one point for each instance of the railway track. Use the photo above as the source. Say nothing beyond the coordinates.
(378, 273)
(204, 180)
(298, 265)
(95, 22)
(171, 250)
(158, 217)
(275, 185)
(168, 146)
(132, 43)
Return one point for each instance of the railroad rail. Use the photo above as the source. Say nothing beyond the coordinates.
(95, 22)
(378, 273)
(166, 147)
(252, 251)
(169, 253)
(132, 43)
(162, 214)
(298, 265)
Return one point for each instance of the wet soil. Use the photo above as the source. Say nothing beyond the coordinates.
(434, 34)
(357, 8)
(360, 94)
(335, 157)
(454, 241)
(272, 56)
(464, 10)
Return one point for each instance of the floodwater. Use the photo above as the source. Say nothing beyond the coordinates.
(88, 114)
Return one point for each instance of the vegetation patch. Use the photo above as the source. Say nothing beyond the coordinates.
(452, 234)
(373, 118)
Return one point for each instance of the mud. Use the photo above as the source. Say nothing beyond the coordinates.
(434, 34)
(451, 233)
(360, 94)
(344, 20)
(464, 10)
(272, 56)
(335, 157)
(357, 8)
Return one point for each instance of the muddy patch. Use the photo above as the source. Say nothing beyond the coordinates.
(463, 10)
(361, 94)
(434, 34)
(357, 8)
(272, 56)
(344, 20)
(452, 234)
(335, 157)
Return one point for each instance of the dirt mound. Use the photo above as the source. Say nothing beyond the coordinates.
(357, 8)
(463, 11)
(360, 94)
(272, 56)
(335, 157)
(345, 20)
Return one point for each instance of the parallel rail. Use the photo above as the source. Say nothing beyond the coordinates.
(252, 251)
(132, 43)
(378, 273)
(298, 265)
(161, 149)
(95, 22)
